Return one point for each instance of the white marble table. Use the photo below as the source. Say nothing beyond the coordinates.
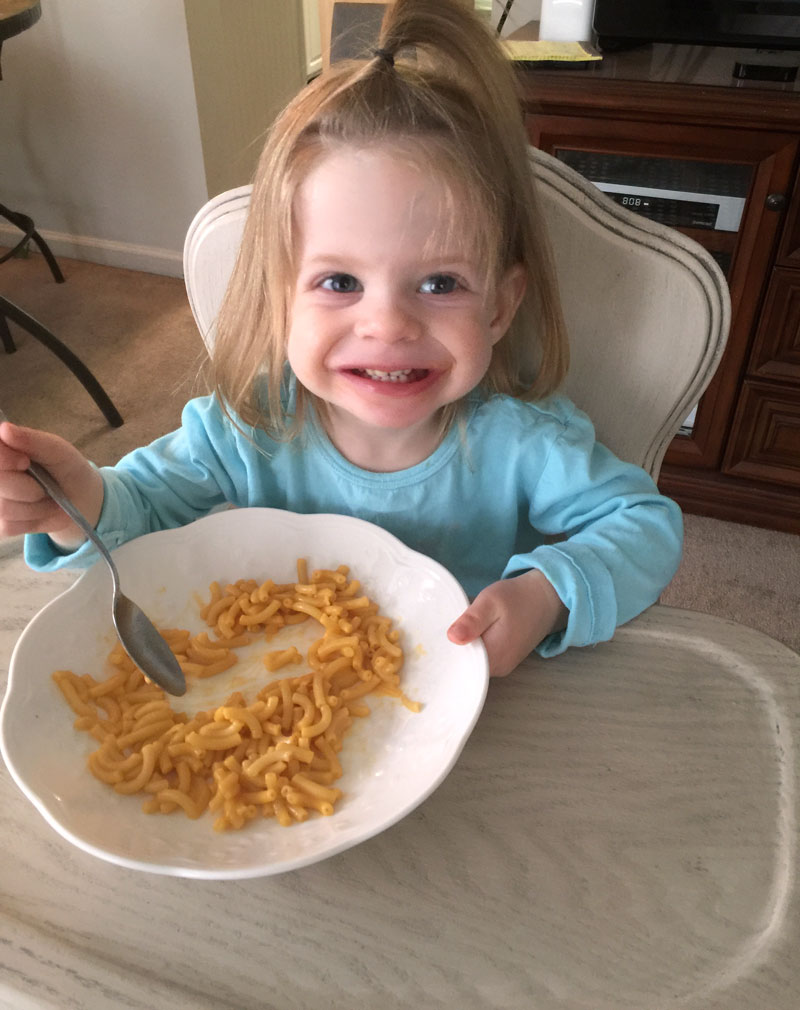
(620, 833)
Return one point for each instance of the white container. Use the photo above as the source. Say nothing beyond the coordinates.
(566, 20)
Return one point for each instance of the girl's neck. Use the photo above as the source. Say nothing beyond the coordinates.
(381, 450)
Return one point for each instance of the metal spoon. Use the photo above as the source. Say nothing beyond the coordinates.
(136, 632)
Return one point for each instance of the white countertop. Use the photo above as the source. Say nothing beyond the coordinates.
(620, 833)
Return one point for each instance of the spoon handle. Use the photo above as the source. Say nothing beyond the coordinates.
(46, 480)
(139, 636)
(53, 488)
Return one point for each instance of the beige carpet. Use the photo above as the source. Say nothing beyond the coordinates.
(136, 332)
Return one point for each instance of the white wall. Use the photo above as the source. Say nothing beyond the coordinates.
(99, 135)
(99, 132)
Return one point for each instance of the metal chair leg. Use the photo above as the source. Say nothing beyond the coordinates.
(5, 335)
(9, 311)
(50, 259)
(26, 226)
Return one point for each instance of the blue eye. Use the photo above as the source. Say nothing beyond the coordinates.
(439, 284)
(343, 284)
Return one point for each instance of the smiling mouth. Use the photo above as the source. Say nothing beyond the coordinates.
(400, 375)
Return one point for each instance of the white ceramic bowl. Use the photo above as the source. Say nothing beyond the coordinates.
(393, 759)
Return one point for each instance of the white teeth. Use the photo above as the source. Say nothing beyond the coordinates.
(399, 376)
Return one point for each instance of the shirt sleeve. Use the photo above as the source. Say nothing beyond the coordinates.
(618, 540)
(176, 479)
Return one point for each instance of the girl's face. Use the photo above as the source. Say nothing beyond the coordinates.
(388, 324)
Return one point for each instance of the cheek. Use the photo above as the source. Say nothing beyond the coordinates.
(483, 339)
(480, 356)
(294, 345)
(296, 356)
(305, 352)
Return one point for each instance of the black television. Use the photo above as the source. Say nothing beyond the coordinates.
(757, 24)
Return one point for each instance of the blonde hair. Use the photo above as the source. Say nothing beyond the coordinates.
(439, 86)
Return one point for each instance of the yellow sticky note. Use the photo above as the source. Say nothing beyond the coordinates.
(546, 51)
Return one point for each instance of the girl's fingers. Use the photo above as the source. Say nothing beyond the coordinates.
(24, 505)
(462, 630)
(472, 623)
(502, 650)
(29, 443)
(17, 486)
(12, 459)
(13, 435)
(41, 516)
(18, 528)
(18, 511)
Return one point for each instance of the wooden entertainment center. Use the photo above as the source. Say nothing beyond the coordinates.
(741, 459)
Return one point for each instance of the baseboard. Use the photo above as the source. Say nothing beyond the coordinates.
(148, 259)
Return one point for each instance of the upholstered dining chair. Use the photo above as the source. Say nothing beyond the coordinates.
(647, 308)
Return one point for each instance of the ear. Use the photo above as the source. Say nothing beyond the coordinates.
(507, 297)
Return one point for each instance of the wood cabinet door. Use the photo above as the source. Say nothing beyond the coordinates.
(765, 441)
(770, 157)
(776, 352)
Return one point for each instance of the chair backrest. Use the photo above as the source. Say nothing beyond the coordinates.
(209, 253)
(647, 309)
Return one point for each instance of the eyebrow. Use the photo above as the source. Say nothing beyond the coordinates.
(430, 261)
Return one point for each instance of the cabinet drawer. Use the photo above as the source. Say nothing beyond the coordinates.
(776, 351)
(765, 440)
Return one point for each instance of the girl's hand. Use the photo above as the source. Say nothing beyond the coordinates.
(512, 616)
(24, 506)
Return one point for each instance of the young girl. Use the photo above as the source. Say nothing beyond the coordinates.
(390, 347)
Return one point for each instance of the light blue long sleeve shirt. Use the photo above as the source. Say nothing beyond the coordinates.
(487, 504)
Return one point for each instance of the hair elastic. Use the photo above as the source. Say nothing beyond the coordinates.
(385, 55)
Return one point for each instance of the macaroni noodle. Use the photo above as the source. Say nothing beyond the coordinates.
(275, 756)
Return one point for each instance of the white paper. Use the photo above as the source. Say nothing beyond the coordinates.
(566, 20)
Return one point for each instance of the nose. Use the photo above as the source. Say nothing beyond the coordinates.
(388, 316)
